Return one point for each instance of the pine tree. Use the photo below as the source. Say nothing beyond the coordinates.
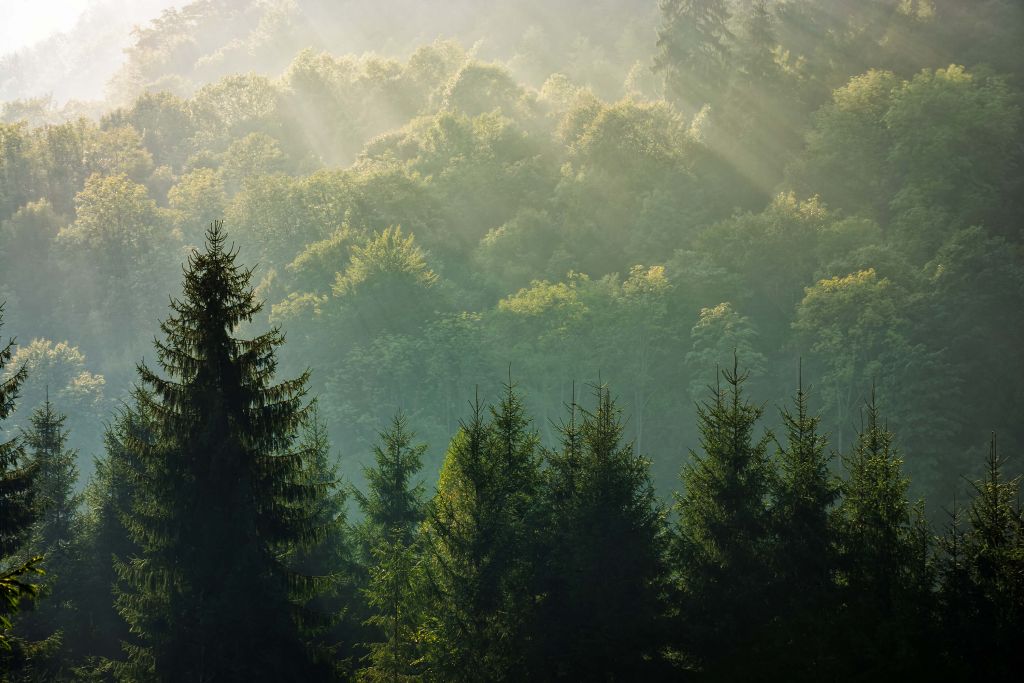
(694, 43)
(804, 494)
(725, 536)
(481, 548)
(222, 498)
(883, 558)
(604, 555)
(394, 508)
(17, 507)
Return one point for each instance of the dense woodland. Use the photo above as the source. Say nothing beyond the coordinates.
(582, 340)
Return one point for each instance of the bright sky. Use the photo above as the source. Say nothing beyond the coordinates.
(23, 22)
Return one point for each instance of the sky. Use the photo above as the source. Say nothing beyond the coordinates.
(24, 22)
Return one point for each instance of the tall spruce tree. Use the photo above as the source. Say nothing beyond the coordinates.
(884, 568)
(56, 534)
(725, 536)
(222, 496)
(983, 588)
(394, 508)
(481, 547)
(604, 572)
(694, 44)
(17, 508)
(803, 496)
(109, 502)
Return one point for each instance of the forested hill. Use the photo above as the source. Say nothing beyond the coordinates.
(835, 181)
(588, 253)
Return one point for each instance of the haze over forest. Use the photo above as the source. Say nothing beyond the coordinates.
(631, 227)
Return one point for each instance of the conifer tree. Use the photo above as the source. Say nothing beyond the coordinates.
(56, 534)
(725, 535)
(331, 618)
(604, 554)
(804, 493)
(17, 508)
(109, 501)
(481, 549)
(394, 508)
(222, 498)
(883, 558)
(694, 43)
(986, 577)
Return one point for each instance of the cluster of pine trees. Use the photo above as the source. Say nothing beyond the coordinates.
(214, 544)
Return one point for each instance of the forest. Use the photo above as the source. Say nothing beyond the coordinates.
(616, 340)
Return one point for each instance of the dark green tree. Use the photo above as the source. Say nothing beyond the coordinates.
(725, 536)
(983, 581)
(222, 498)
(57, 532)
(480, 545)
(603, 574)
(884, 569)
(17, 508)
(803, 495)
(394, 508)
(109, 504)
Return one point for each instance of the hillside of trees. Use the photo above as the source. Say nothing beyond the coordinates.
(618, 340)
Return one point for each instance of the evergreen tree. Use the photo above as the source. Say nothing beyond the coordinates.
(109, 500)
(480, 544)
(56, 534)
(804, 493)
(725, 536)
(17, 508)
(983, 587)
(604, 555)
(394, 508)
(222, 498)
(883, 559)
(693, 50)
(331, 618)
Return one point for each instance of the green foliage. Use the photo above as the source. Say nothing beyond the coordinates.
(479, 537)
(221, 497)
(603, 575)
(724, 533)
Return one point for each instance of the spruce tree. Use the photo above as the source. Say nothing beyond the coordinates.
(694, 44)
(221, 498)
(109, 501)
(394, 509)
(883, 559)
(481, 547)
(17, 508)
(604, 572)
(725, 536)
(57, 531)
(989, 584)
(803, 496)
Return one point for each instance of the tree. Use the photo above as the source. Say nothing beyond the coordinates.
(984, 584)
(394, 508)
(884, 567)
(724, 535)
(693, 50)
(479, 545)
(603, 574)
(222, 498)
(56, 534)
(17, 506)
(803, 495)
